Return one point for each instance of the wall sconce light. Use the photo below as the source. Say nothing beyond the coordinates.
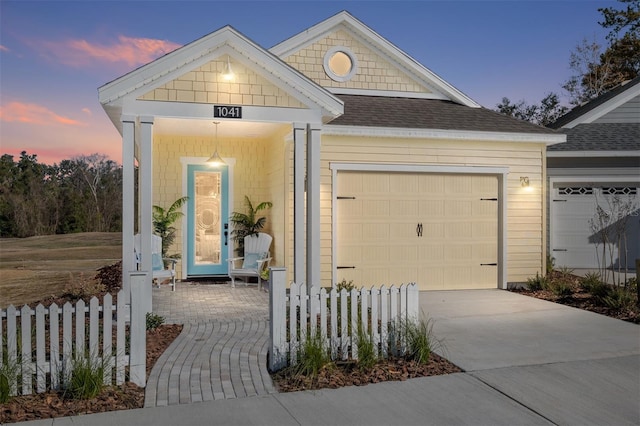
(228, 75)
(215, 160)
(524, 181)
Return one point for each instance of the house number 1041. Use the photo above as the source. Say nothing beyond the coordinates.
(227, 111)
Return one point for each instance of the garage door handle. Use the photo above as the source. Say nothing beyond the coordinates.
(419, 230)
(345, 267)
(488, 264)
(559, 249)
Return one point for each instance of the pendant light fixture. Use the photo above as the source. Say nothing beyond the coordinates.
(228, 75)
(215, 160)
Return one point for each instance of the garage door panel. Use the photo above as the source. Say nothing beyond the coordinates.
(375, 232)
(458, 230)
(375, 208)
(405, 208)
(431, 184)
(431, 253)
(458, 184)
(458, 208)
(433, 230)
(573, 209)
(484, 230)
(431, 208)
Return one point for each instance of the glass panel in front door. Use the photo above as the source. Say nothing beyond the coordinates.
(207, 247)
(207, 218)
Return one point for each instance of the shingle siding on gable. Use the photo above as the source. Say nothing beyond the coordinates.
(202, 86)
(374, 72)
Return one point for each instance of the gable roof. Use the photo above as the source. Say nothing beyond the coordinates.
(599, 106)
(225, 41)
(433, 114)
(344, 20)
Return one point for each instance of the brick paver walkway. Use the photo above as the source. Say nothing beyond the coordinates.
(222, 350)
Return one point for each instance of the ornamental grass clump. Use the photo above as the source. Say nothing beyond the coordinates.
(313, 356)
(416, 339)
(86, 379)
(367, 354)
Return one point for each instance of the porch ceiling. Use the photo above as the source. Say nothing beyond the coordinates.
(226, 128)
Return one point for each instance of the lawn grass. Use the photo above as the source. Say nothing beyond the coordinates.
(32, 269)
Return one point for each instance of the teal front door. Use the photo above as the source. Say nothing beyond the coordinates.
(207, 225)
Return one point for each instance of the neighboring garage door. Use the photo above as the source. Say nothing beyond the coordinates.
(438, 230)
(573, 237)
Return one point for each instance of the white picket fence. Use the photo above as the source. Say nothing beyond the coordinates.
(336, 316)
(39, 346)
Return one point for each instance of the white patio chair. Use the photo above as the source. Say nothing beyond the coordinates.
(255, 260)
(160, 273)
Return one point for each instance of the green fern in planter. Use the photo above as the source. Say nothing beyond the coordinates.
(247, 223)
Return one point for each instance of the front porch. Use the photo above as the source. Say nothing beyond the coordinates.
(207, 301)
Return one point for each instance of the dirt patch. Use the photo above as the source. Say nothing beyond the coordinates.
(54, 404)
(32, 266)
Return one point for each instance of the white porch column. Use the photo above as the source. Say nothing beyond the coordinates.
(128, 200)
(313, 206)
(299, 130)
(146, 201)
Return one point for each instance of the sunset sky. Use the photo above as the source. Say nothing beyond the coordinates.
(54, 55)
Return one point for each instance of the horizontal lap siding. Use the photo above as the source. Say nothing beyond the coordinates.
(525, 221)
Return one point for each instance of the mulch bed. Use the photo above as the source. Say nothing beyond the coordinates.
(585, 301)
(347, 373)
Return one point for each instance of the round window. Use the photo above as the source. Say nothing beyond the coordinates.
(340, 64)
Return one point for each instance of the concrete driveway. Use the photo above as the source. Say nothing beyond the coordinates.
(567, 365)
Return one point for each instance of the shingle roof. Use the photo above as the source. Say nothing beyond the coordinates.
(583, 109)
(600, 137)
(380, 111)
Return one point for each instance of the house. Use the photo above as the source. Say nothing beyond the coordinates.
(599, 165)
(380, 171)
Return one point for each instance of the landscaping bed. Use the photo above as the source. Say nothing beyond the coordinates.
(57, 404)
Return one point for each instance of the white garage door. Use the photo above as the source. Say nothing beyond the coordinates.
(575, 242)
(440, 231)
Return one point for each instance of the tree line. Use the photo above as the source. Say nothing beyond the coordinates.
(83, 194)
(594, 70)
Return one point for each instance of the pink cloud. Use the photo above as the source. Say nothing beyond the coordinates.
(128, 50)
(3, 48)
(27, 113)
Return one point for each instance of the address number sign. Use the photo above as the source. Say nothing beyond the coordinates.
(227, 111)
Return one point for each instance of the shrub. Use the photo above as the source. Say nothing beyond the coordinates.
(344, 285)
(153, 321)
(619, 299)
(592, 283)
(110, 277)
(86, 380)
(538, 283)
(560, 288)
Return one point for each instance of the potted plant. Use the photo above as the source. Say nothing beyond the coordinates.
(247, 223)
(163, 221)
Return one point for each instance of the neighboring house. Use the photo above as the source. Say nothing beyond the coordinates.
(379, 171)
(598, 165)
